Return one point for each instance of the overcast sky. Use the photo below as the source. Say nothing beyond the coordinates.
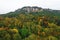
(11, 5)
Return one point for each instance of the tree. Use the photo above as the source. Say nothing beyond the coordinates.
(4, 35)
(24, 32)
(16, 36)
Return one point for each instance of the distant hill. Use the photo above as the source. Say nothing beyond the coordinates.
(34, 10)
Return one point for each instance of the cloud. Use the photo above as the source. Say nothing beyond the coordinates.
(11, 5)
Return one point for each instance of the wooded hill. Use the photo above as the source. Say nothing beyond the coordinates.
(30, 23)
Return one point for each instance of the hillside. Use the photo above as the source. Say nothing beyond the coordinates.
(30, 23)
(34, 10)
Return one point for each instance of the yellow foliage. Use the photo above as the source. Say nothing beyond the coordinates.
(43, 33)
(14, 30)
(52, 25)
(46, 29)
(52, 38)
(38, 32)
(33, 37)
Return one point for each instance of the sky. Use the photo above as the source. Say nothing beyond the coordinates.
(12, 5)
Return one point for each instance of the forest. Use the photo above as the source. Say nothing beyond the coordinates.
(19, 25)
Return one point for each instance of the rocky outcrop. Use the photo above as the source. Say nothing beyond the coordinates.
(32, 9)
